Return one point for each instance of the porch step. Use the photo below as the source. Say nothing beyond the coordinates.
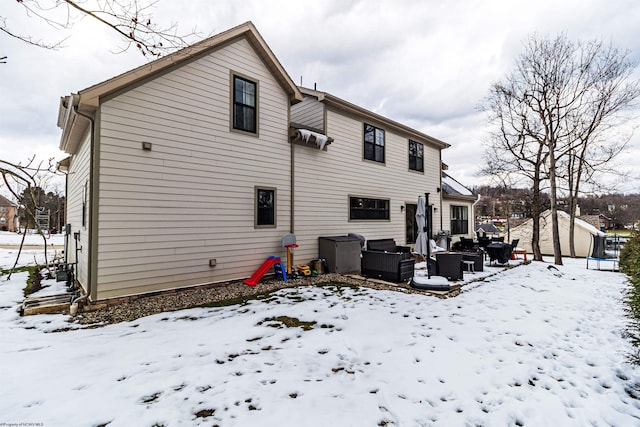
(46, 304)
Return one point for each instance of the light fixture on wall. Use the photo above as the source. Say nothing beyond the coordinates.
(146, 146)
(401, 208)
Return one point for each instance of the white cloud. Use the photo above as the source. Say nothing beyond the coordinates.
(424, 63)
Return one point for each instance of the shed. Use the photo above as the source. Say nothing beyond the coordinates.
(583, 238)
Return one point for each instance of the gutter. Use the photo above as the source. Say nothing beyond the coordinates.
(90, 222)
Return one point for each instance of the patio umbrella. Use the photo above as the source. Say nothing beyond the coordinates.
(421, 247)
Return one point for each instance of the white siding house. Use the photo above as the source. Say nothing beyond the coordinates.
(328, 182)
(458, 208)
(169, 181)
(189, 170)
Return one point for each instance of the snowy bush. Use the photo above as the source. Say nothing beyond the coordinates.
(630, 265)
(630, 258)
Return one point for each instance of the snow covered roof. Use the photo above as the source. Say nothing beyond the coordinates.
(453, 187)
(583, 224)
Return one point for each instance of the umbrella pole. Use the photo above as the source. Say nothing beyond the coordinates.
(426, 227)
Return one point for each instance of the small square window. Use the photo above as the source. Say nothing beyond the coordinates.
(265, 208)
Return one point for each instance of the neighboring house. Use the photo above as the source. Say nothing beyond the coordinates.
(458, 203)
(488, 229)
(189, 170)
(8, 215)
(583, 235)
(601, 222)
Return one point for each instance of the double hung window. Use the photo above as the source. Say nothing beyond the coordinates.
(416, 156)
(244, 104)
(373, 143)
(265, 207)
(459, 220)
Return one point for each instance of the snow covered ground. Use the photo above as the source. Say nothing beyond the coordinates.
(530, 346)
(30, 254)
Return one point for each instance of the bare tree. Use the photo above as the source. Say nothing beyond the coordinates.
(131, 19)
(551, 114)
(603, 92)
(22, 182)
(516, 148)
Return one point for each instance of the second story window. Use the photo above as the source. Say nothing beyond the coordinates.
(416, 156)
(373, 143)
(244, 105)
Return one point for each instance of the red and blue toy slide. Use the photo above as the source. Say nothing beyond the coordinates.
(271, 261)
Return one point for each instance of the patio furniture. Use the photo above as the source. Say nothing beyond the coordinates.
(342, 253)
(468, 266)
(477, 258)
(468, 245)
(499, 252)
(385, 260)
(515, 251)
(449, 265)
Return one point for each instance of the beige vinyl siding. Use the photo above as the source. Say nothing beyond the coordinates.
(309, 112)
(165, 213)
(77, 177)
(446, 218)
(325, 180)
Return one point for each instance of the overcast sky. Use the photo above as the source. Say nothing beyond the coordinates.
(425, 63)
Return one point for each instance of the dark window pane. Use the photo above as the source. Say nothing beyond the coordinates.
(368, 151)
(379, 156)
(265, 200)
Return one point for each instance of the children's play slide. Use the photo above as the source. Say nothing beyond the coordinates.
(262, 270)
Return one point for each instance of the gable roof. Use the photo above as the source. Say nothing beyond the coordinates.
(488, 227)
(6, 202)
(453, 189)
(348, 107)
(87, 100)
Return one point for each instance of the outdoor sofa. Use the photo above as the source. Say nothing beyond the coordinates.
(385, 260)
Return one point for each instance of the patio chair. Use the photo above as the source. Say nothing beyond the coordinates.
(468, 245)
(449, 265)
(515, 250)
